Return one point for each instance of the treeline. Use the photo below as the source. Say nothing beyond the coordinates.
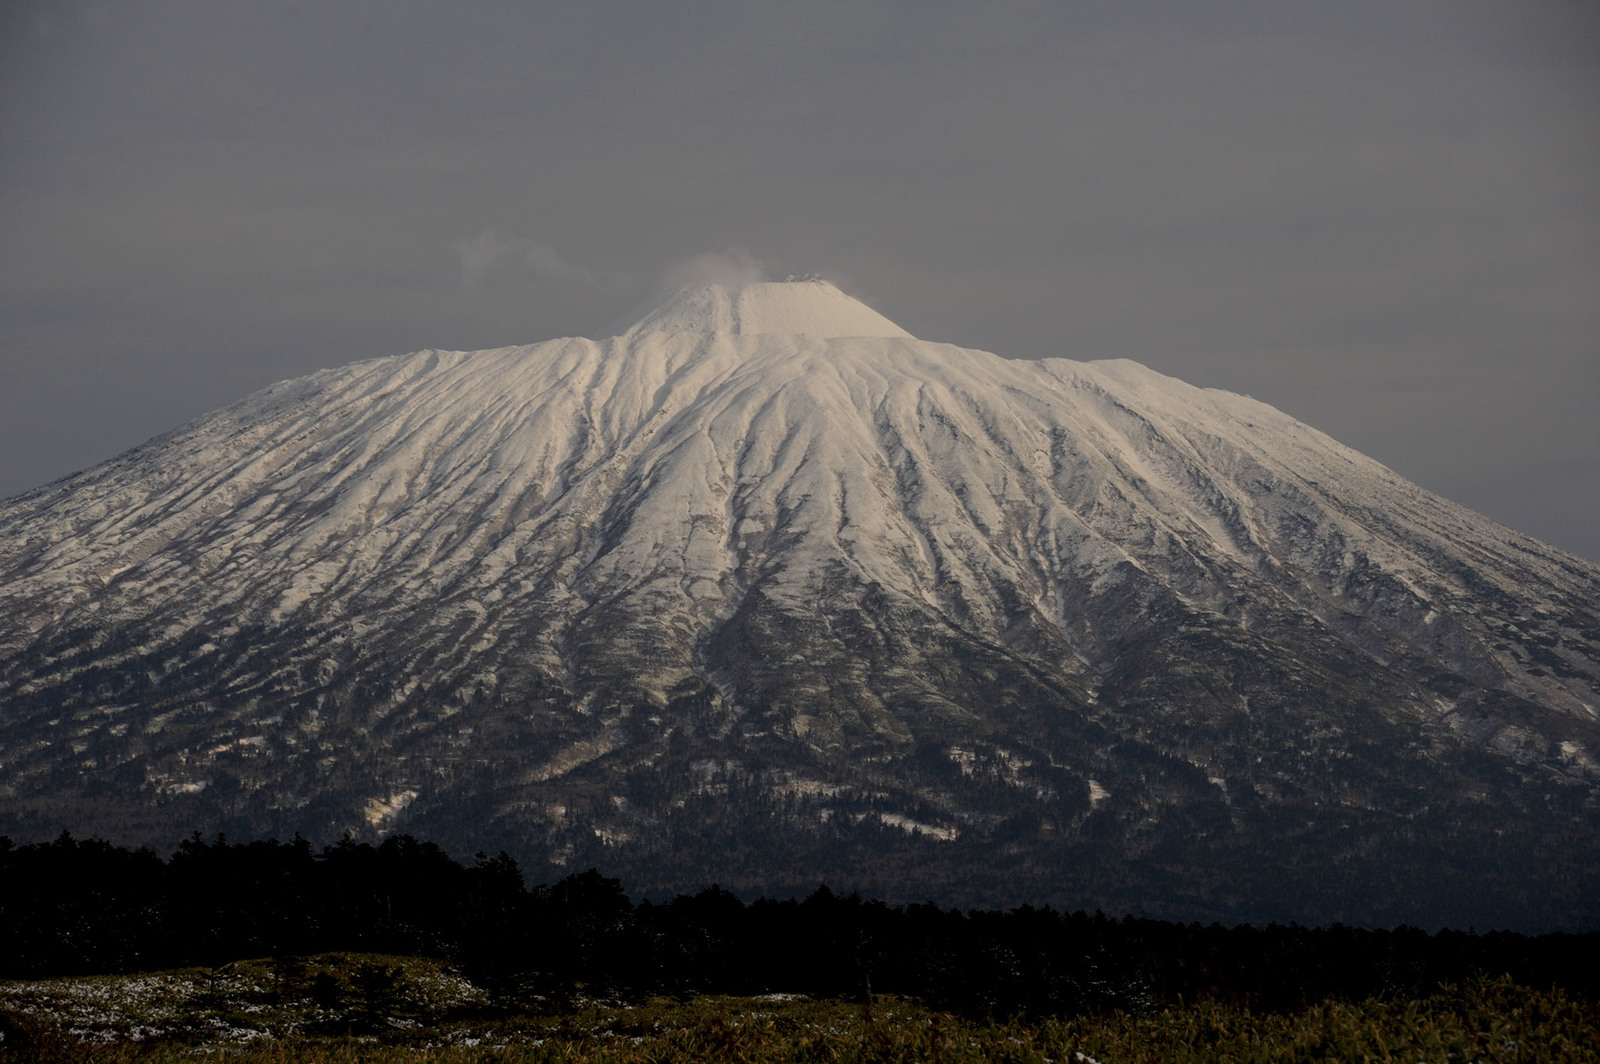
(76, 907)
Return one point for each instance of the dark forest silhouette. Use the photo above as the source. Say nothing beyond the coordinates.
(76, 907)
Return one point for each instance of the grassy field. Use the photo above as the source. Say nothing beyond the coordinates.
(356, 1009)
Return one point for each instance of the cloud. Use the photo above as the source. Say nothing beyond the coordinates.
(492, 252)
(733, 268)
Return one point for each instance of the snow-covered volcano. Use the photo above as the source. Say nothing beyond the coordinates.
(767, 581)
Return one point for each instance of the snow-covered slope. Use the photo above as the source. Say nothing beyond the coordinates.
(765, 516)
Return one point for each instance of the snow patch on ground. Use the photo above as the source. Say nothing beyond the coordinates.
(382, 809)
(917, 827)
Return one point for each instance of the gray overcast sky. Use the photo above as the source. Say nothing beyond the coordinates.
(1383, 218)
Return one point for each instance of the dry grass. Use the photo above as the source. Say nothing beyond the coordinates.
(1485, 1020)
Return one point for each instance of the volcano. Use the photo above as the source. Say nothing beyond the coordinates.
(767, 590)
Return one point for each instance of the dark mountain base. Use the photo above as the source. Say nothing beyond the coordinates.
(1211, 778)
(1438, 871)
